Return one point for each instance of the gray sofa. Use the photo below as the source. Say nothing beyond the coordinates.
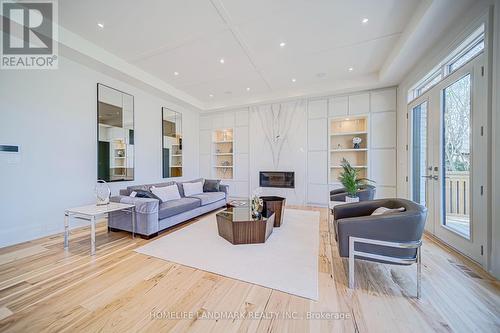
(153, 216)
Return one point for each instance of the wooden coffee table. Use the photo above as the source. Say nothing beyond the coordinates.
(237, 226)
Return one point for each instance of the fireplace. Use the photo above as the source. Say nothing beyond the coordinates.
(281, 179)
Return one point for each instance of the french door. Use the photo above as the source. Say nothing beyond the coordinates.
(449, 158)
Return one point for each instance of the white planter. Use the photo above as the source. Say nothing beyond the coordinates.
(351, 199)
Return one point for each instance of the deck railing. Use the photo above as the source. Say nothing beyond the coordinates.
(457, 193)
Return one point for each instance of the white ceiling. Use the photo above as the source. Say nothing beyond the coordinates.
(191, 36)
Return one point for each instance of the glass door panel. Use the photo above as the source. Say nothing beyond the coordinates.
(456, 156)
(456, 161)
(419, 154)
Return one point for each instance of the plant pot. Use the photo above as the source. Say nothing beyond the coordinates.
(351, 199)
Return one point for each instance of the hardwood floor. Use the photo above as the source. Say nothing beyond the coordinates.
(45, 289)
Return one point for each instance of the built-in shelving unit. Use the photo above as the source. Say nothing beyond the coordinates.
(223, 150)
(341, 134)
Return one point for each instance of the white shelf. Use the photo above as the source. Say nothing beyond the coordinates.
(223, 141)
(348, 133)
(348, 149)
(176, 155)
(354, 166)
(223, 154)
(176, 166)
(222, 166)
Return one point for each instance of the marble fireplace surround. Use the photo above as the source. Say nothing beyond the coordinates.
(278, 142)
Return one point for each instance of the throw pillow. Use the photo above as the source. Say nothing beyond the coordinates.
(166, 193)
(211, 185)
(192, 188)
(385, 210)
(145, 194)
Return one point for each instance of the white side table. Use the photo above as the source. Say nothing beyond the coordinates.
(91, 213)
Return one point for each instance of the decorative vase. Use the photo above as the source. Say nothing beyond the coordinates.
(351, 199)
(102, 193)
(356, 141)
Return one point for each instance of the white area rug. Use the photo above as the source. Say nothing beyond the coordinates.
(287, 261)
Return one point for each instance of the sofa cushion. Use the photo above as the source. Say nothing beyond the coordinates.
(147, 187)
(174, 207)
(181, 187)
(211, 185)
(166, 193)
(209, 197)
(144, 194)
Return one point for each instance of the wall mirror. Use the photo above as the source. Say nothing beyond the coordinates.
(115, 133)
(171, 143)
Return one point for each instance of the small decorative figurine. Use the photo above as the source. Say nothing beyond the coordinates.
(356, 141)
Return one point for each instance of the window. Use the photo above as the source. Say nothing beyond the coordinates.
(466, 51)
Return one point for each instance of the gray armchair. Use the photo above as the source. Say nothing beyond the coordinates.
(393, 238)
(366, 192)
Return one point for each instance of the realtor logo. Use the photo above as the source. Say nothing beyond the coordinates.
(29, 39)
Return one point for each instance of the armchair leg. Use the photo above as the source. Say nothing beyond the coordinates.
(419, 272)
(351, 263)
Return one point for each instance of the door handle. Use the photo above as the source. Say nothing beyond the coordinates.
(435, 177)
(427, 176)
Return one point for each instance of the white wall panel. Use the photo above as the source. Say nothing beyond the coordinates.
(205, 122)
(383, 100)
(205, 170)
(317, 132)
(240, 143)
(317, 167)
(237, 189)
(383, 192)
(240, 166)
(318, 109)
(338, 106)
(359, 104)
(205, 141)
(383, 130)
(241, 117)
(317, 194)
(383, 167)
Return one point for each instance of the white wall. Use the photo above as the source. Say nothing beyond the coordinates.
(51, 114)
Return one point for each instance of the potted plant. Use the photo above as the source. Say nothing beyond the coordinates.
(349, 177)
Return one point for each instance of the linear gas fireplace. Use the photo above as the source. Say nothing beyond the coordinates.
(282, 179)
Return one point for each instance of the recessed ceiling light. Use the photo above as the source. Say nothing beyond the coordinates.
(176, 73)
(350, 69)
(248, 89)
(294, 80)
(100, 25)
(211, 95)
(282, 44)
(222, 60)
(321, 75)
(365, 20)
(228, 92)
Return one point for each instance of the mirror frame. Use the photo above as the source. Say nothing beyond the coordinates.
(133, 129)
